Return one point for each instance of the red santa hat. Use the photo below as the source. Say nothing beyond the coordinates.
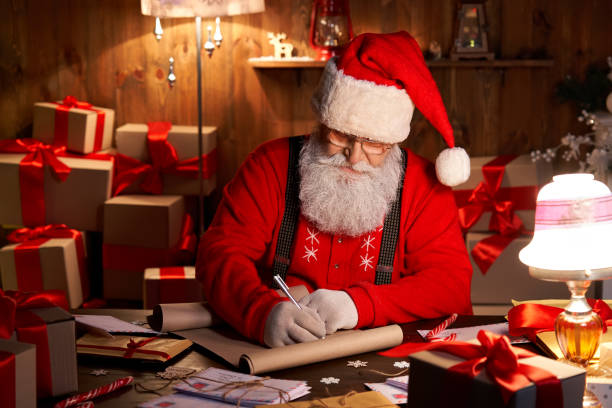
(371, 91)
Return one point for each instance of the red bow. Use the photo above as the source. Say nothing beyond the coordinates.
(529, 319)
(484, 198)
(164, 160)
(72, 102)
(46, 231)
(12, 301)
(500, 360)
(32, 174)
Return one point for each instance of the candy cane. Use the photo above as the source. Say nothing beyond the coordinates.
(96, 392)
(433, 333)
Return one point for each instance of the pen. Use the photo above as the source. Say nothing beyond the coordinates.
(285, 289)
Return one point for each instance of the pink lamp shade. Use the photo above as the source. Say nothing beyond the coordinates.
(200, 8)
(573, 230)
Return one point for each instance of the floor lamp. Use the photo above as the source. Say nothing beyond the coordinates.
(199, 9)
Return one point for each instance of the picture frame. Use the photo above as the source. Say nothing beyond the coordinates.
(471, 41)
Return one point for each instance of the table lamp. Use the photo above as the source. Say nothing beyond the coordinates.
(199, 9)
(571, 243)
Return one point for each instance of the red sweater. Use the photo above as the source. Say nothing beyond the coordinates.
(431, 273)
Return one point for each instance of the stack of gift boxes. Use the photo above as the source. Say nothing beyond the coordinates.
(73, 177)
(497, 214)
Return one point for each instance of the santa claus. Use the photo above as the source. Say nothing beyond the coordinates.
(364, 225)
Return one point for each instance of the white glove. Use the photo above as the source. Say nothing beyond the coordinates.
(286, 324)
(335, 307)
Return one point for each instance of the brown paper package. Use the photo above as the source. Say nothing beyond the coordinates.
(131, 140)
(81, 127)
(59, 264)
(25, 372)
(139, 221)
(76, 202)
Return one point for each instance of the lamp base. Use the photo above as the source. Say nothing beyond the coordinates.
(578, 330)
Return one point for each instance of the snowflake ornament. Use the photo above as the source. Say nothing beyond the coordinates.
(366, 261)
(367, 242)
(310, 253)
(574, 148)
(98, 372)
(330, 380)
(401, 364)
(312, 236)
(357, 363)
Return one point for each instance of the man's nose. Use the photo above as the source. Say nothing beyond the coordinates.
(354, 153)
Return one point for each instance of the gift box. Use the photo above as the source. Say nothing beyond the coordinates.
(79, 126)
(507, 277)
(171, 284)
(430, 371)
(18, 374)
(602, 388)
(51, 329)
(511, 185)
(143, 348)
(143, 231)
(140, 156)
(41, 263)
(55, 189)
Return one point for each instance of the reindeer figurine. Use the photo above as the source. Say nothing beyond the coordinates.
(280, 50)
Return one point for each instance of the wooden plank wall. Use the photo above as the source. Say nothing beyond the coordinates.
(103, 51)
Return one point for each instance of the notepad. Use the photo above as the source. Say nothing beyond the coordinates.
(221, 385)
(111, 325)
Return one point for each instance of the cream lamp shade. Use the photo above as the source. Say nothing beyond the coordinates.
(200, 8)
(572, 239)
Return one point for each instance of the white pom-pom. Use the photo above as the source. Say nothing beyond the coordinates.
(453, 166)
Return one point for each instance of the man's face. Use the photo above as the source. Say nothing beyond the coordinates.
(355, 149)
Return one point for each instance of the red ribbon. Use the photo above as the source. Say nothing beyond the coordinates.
(487, 196)
(32, 175)
(32, 329)
(500, 360)
(529, 319)
(172, 283)
(164, 160)
(137, 259)
(27, 255)
(131, 348)
(60, 133)
(8, 375)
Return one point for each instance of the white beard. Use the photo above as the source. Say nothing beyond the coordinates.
(339, 202)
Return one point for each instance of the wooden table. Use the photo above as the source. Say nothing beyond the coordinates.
(198, 358)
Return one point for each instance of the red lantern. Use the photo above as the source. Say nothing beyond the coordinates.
(330, 27)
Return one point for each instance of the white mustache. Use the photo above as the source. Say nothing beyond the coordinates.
(339, 160)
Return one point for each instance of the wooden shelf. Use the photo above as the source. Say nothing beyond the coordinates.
(286, 64)
(516, 63)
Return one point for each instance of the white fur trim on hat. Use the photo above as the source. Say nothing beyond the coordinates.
(362, 108)
(453, 166)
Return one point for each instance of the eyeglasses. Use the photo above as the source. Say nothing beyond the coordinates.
(344, 141)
